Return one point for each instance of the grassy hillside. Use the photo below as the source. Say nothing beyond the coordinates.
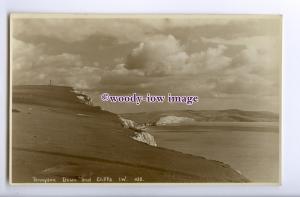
(231, 115)
(55, 135)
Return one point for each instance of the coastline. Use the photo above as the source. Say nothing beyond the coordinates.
(93, 146)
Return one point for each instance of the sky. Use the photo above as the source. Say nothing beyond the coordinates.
(229, 62)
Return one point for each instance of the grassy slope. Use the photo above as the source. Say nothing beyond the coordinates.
(231, 115)
(50, 139)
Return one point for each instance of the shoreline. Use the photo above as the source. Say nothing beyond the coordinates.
(94, 145)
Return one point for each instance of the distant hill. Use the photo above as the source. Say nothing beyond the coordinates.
(230, 115)
(57, 135)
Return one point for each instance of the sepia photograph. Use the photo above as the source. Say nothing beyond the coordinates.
(106, 99)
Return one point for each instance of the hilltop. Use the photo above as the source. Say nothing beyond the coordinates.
(57, 135)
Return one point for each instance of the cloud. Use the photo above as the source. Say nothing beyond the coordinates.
(158, 55)
(135, 29)
(254, 69)
(212, 57)
(74, 30)
(24, 56)
(125, 29)
(32, 66)
(163, 55)
(211, 60)
(119, 75)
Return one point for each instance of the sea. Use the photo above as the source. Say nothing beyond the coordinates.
(252, 148)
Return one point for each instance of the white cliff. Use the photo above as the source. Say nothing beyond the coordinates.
(83, 97)
(169, 120)
(129, 124)
(144, 137)
(140, 135)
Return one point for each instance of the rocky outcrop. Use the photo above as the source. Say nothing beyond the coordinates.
(83, 98)
(129, 124)
(140, 133)
(144, 137)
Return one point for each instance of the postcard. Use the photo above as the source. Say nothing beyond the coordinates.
(106, 99)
